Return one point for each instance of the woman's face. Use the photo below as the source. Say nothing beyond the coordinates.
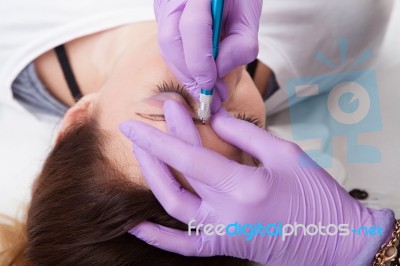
(132, 91)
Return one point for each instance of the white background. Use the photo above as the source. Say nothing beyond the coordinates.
(382, 180)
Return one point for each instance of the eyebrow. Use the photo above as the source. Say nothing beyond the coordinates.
(155, 117)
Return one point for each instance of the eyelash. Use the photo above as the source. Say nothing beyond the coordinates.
(175, 88)
(250, 119)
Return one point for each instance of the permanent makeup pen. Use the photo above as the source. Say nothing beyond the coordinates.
(217, 10)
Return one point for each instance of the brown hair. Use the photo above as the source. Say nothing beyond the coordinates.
(83, 206)
(12, 241)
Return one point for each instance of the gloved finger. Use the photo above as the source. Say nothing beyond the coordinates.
(180, 123)
(166, 189)
(216, 102)
(236, 50)
(246, 136)
(164, 9)
(172, 240)
(195, 162)
(158, 6)
(171, 47)
(240, 45)
(196, 31)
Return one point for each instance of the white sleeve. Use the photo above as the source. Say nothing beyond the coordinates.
(30, 28)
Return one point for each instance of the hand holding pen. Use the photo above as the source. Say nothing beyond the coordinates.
(186, 40)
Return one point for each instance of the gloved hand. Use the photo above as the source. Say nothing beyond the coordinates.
(289, 188)
(185, 38)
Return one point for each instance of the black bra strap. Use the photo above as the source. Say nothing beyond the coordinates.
(68, 73)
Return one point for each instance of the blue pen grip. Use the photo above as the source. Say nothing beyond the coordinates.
(217, 11)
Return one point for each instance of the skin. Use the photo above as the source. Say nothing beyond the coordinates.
(119, 70)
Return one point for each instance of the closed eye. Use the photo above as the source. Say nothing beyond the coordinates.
(252, 119)
(179, 89)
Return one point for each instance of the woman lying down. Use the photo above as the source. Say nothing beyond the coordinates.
(91, 191)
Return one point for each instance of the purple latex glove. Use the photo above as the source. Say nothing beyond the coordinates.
(185, 37)
(281, 190)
